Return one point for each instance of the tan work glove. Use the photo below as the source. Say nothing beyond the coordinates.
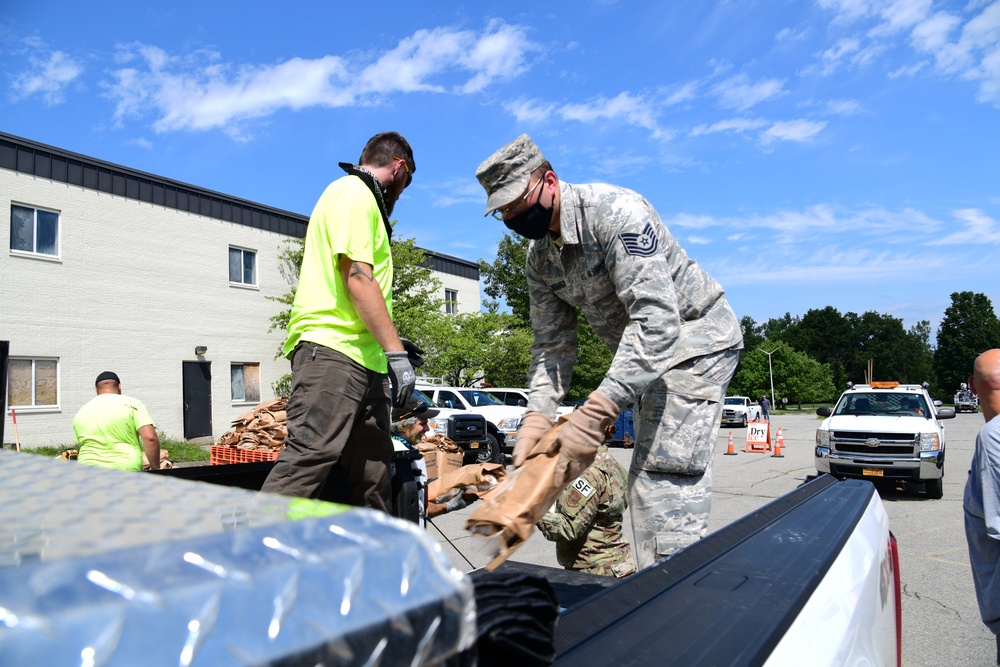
(581, 435)
(533, 427)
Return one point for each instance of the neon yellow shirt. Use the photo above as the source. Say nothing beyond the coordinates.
(345, 221)
(107, 431)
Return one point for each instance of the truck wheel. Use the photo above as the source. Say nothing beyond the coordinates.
(744, 421)
(489, 451)
(934, 488)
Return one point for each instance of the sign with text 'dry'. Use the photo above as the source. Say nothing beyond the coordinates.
(758, 437)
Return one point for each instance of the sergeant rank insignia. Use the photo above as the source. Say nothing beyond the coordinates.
(641, 245)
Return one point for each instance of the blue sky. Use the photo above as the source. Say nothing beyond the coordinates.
(806, 153)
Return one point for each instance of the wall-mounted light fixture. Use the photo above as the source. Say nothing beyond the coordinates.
(200, 349)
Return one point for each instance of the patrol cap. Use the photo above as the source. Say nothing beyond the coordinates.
(414, 408)
(505, 174)
(107, 375)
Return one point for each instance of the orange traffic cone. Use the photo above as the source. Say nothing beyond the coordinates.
(729, 450)
(779, 444)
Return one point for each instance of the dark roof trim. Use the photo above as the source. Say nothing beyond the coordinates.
(31, 157)
(452, 265)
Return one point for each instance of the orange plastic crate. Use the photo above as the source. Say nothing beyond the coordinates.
(224, 455)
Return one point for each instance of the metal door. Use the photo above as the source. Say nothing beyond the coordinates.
(197, 399)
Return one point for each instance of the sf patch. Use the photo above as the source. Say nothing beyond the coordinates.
(579, 492)
(641, 245)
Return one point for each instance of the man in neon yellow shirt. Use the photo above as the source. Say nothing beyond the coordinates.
(112, 430)
(341, 340)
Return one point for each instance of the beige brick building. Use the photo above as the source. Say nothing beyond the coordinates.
(109, 268)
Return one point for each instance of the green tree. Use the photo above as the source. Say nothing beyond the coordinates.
(826, 336)
(969, 328)
(463, 349)
(414, 305)
(797, 376)
(504, 280)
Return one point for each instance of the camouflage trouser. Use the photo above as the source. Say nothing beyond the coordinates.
(670, 479)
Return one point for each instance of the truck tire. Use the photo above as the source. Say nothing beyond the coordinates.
(489, 450)
(745, 421)
(934, 488)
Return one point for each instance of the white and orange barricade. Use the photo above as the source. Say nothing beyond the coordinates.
(758, 437)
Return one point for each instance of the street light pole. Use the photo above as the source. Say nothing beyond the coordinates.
(771, 373)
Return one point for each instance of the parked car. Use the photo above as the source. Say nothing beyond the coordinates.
(739, 410)
(884, 430)
(501, 420)
(519, 397)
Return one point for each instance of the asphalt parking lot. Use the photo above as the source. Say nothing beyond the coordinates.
(941, 624)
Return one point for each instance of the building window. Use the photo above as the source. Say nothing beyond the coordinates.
(451, 301)
(242, 266)
(33, 383)
(245, 383)
(34, 230)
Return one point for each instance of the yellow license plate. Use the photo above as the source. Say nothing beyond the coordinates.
(873, 472)
(473, 445)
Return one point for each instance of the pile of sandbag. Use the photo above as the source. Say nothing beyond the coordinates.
(264, 429)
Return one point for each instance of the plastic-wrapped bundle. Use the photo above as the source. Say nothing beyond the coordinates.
(106, 567)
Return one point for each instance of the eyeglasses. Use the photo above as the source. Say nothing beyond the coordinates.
(501, 213)
(406, 166)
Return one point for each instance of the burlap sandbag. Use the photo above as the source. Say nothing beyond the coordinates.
(476, 479)
(508, 513)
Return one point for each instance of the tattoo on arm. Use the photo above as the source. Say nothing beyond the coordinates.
(363, 270)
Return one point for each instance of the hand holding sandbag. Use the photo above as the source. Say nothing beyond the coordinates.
(580, 437)
(533, 427)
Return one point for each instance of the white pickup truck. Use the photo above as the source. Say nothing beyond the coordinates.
(885, 431)
(501, 420)
(739, 410)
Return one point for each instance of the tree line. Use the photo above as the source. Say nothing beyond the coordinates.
(812, 357)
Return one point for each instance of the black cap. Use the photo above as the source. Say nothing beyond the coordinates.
(414, 408)
(107, 375)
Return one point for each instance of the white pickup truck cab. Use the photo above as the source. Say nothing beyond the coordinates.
(884, 430)
(739, 410)
(501, 420)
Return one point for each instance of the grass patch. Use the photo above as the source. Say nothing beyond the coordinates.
(181, 451)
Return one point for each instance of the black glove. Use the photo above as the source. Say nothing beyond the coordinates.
(402, 377)
(414, 352)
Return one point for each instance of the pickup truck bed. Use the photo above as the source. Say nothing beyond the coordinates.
(730, 598)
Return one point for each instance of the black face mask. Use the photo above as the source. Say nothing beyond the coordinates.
(534, 222)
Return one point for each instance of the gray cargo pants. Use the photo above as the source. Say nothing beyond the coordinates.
(670, 478)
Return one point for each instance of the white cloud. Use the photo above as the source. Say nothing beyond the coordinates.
(831, 58)
(738, 125)
(47, 76)
(625, 107)
(964, 42)
(683, 94)
(699, 240)
(907, 70)
(792, 130)
(139, 142)
(796, 34)
(738, 93)
(831, 223)
(844, 107)
(977, 229)
(529, 111)
(199, 91)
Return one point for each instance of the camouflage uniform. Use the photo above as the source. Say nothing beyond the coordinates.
(675, 339)
(587, 523)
